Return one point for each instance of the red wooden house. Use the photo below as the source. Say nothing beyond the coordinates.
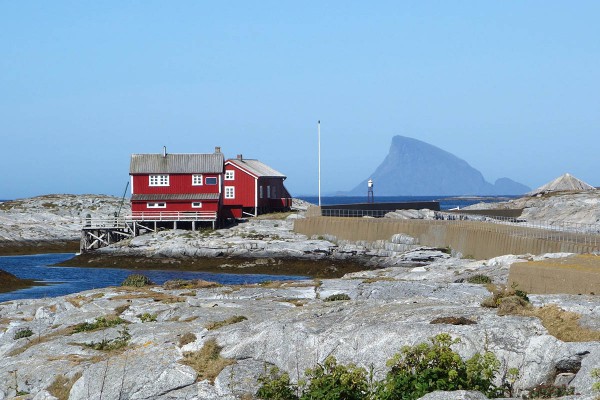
(251, 187)
(174, 186)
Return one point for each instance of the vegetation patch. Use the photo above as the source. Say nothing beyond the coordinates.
(117, 343)
(22, 333)
(61, 386)
(147, 317)
(414, 372)
(187, 338)
(453, 321)
(99, 323)
(229, 321)
(137, 280)
(378, 279)
(207, 361)
(549, 391)
(479, 279)
(189, 284)
(337, 297)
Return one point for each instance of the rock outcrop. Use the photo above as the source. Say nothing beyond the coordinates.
(289, 325)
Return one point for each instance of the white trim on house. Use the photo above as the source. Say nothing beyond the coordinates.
(158, 180)
(230, 175)
(230, 192)
(196, 204)
(211, 178)
(196, 179)
(160, 204)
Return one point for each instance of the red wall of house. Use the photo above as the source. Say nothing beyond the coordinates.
(178, 184)
(207, 205)
(244, 188)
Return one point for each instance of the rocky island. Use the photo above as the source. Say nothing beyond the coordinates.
(202, 340)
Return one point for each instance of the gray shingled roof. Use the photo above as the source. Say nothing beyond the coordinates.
(176, 164)
(185, 196)
(257, 168)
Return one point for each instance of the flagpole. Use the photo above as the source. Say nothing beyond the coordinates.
(319, 140)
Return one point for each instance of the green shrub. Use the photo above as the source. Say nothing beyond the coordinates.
(337, 297)
(276, 386)
(550, 391)
(335, 381)
(147, 317)
(415, 371)
(137, 280)
(479, 279)
(428, 367)
(596, 374)
(22, 333)
(100, 323)
(112, 344)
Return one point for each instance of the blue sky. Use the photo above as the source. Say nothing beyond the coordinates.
(511, 87)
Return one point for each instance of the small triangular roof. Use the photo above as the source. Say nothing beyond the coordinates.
(566, 182)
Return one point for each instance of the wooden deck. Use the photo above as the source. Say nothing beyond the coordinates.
(101, 232)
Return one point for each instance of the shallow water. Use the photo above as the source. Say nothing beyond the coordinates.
(61, 281)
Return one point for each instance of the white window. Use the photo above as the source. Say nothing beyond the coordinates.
(156, 205)
(229, 192)
(196, 180)
(210, 180)
(197, 205)
(159, 180)
(268, 192)
(260, 189)
(229, 175)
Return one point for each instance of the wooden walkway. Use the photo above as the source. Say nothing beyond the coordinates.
(102, 232)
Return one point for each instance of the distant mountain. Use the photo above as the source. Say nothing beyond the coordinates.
(416, 168)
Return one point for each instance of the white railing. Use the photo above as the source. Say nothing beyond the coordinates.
(167, 216)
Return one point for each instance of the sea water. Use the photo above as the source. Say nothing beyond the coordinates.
(60, 281)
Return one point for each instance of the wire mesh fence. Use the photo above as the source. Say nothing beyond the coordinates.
(561, 231)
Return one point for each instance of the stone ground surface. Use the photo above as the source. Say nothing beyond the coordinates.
(571, 207)
(289, 325)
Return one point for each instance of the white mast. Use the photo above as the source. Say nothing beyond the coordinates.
(319, 140)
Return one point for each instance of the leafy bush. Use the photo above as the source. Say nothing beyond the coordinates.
(428, 367)
(415, 371)
(22, 333)
(276, 386)
(550, 391)
(337, 297)
(137, 280)
(147, 317)
(479, 279)
(335, 381)
(501, 294)
(101, 322)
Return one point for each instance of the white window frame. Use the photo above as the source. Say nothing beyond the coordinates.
(261, 191)
(158, 180)
(211, 184)
(268, 192)
(230, 192)
(156, 204)
(196, 204)
(197, 180)
(230, 175)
